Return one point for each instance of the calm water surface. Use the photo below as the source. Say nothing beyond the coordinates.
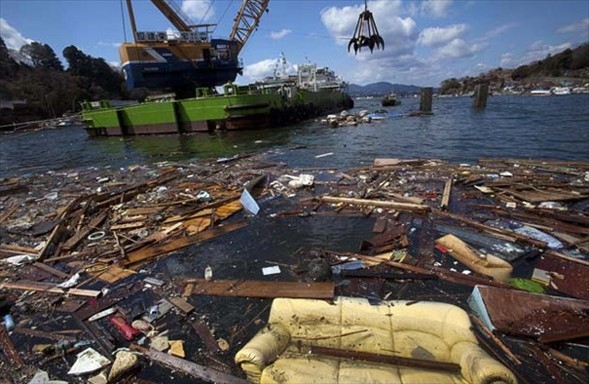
(555, 127)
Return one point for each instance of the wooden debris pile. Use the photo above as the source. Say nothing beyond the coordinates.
(79, 256)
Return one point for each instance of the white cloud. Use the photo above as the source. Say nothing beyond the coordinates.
(280, 34)
(437, 36)
(268, 67)
(498, 31)
(198, 10)
(458, 48)
(12, 38)
(398, 33)
(581, 26)
(506, 60)
(436, 8)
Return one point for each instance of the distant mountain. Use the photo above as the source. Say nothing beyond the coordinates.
(382, 88)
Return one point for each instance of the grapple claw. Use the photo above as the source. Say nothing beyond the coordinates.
(371, 39)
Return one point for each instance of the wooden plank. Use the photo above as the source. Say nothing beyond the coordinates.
(143, 211)
(188, 367)
(206, 335)
(538, 196)
(127, 226)
(49, 288)
(9, 350)
(446, 194)
(53, 271)
(377, 203)
(199, 213)
(94, 223)
(386, 359)
(179, 243)
(9, 211)
(262, 289)
(182, 304)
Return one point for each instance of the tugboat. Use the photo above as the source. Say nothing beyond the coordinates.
(391, 100)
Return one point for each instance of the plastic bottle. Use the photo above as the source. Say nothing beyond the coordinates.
(8, 322)
(208, 273)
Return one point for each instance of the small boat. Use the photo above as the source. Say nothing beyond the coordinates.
(540, 92)
(390, 100)
(382, 114)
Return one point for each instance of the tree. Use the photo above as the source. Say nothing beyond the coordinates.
(7, 64)
(450, 86)
(78, 61)
(42, 56)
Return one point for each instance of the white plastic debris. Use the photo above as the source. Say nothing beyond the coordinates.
(72, 281)
(552, 205)
(324, 155)
(50, 196)
(88, 361)
(19, 259)
(274, 270)
(249, 203)
(303, 180)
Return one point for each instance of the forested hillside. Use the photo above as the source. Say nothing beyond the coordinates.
(569, 67)
(38, 87)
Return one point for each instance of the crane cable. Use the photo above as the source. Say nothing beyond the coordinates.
(123, 21)
(202, 19)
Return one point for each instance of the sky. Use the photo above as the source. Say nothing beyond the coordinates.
(426, 42)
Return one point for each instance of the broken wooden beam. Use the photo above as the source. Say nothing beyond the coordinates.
(446, 195)
(189, 368)
(377, 203)
(262, 289)
(386, 359)
(9, 350)
(145, 253)
(73, 241)
(49, 288)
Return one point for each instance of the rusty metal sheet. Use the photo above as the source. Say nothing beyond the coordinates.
(569, 277)
(530, 314)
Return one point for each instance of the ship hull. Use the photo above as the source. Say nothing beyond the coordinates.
(232, 111)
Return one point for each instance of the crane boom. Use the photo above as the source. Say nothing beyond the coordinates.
(247, 20)
(174, 15)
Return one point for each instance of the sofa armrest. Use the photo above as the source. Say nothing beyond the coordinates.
(477, 367)
(263, 349)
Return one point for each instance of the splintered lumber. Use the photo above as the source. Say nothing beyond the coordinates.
(263, 289)
(493, 230)
(9, 350)
(495, 339)
(8, 212)
(50, 288)
(446, 195)
(387, 359)
(189, 368)
(53, 271)
(146, 253)
(377, 203)
(182, 304)
(205, 335)
(441, 273)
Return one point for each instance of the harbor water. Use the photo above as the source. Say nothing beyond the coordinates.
(554, 127)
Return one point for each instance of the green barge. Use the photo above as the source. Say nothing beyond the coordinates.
(272, 102)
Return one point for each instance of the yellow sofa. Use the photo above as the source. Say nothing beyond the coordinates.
(423, 330)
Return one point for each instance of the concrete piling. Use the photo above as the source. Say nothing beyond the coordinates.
(481, 91)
